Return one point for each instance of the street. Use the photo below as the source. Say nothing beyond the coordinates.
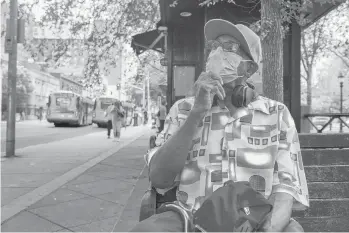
(72, 179)
(34, 132)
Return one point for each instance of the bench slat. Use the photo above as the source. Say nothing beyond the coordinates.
(325, 156)
(325, 208)
(329, 224)
(340, 140)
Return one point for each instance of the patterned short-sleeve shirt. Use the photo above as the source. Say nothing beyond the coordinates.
(260, 145)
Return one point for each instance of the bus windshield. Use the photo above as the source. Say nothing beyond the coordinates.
(63, 99)
(64, 102)
(106, 102)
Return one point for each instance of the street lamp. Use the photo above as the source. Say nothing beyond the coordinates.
(340, 77)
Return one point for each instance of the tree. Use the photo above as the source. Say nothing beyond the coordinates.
(24, 87)
(313, 42)
(327, 36)
(103, 26)
(340, 43)
(148, 65)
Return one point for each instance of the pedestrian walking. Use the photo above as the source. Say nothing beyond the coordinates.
(116, 116)
(162, 115)
(109, 119)
(40, 113)
(145, 113)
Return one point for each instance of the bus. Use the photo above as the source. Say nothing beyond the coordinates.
(101, 105)
(69, 108)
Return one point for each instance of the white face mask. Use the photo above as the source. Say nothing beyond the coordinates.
(224, 64)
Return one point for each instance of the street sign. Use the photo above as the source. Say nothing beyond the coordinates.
(8, 45)
(163, 62)
(20, 31)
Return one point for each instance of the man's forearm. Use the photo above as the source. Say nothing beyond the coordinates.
(282, 211)
(170, 159)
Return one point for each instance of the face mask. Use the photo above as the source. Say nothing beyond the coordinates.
(224, 64)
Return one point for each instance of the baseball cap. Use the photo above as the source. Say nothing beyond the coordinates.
(249, 41)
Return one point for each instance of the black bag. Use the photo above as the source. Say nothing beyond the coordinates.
(235, 207)
(121, 114)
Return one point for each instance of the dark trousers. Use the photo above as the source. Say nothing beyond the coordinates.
(162, 124)
(109, 127)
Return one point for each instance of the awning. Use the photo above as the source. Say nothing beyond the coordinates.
(154, 40)
(318, 10)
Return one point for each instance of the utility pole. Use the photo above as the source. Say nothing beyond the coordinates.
(121, 76)
(144, 86)
(148, 91)
(11, 44)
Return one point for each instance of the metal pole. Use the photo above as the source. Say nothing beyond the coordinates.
(121, 76)
(12, 76)
(144, 93)
(148, 90)
(341, 107)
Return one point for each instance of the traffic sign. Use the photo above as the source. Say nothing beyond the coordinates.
(8, 45)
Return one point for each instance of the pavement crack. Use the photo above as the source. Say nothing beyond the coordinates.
(90, 195)
(63, 227)
(122, 166)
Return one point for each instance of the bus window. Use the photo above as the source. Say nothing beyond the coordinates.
(95, 105)
(106, 102)
(63, 101)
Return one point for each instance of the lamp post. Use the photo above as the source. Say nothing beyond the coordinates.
(340, 77)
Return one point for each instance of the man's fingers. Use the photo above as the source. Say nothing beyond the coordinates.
(215, 77)
(217, 91)
(221, 90)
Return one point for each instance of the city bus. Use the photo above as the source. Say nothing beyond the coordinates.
(69, 108)
(100, 107)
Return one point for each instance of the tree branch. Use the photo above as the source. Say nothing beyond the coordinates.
(341, 57)
(305, 54)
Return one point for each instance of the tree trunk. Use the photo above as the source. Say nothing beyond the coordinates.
(309, 84)
(272, 50)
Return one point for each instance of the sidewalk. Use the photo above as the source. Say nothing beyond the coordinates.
(60, 188)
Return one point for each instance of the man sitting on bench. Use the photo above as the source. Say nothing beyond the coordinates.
(228, 132)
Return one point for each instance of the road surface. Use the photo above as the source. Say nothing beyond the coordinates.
(29, 133)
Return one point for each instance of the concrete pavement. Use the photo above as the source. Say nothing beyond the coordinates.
(72, 184)
(35, 133)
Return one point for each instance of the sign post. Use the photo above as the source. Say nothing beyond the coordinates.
(11, 48)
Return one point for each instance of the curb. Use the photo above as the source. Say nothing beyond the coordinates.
(21, 203)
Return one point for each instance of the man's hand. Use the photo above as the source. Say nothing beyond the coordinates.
(281, 213)
(206, 87)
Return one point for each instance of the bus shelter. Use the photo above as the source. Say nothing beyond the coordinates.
(180, 37)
